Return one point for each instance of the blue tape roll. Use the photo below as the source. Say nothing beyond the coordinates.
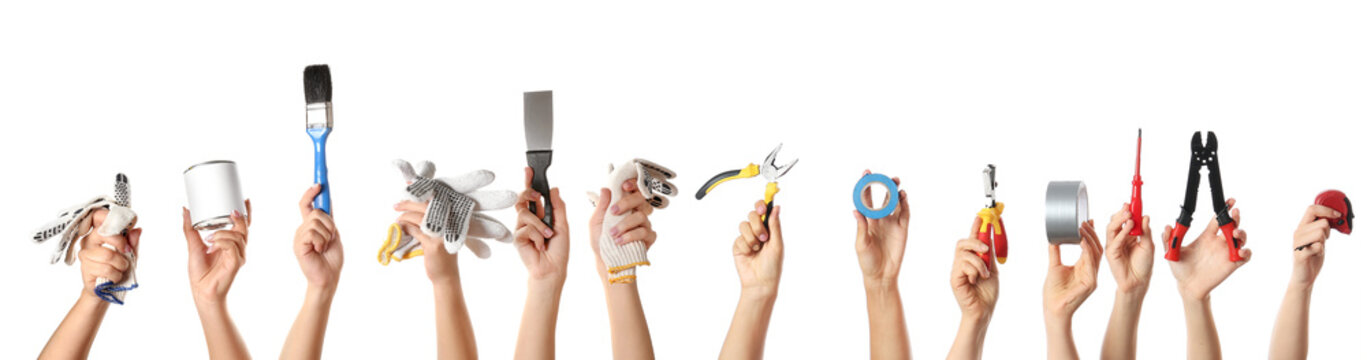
(892, 194)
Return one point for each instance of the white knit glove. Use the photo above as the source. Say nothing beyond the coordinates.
(452, 212)
(74, 224)
(651, 178)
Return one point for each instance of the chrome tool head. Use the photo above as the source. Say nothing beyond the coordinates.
(990, 185)
(770, 168)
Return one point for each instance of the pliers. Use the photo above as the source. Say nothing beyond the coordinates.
(992, 231)
(769, 169)
(1204, 155)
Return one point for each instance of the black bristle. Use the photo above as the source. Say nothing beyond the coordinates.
(317, 84)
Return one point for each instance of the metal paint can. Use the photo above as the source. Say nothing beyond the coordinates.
(213, 192)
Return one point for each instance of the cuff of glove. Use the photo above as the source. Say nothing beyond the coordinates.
(622, 260)
(113, 292)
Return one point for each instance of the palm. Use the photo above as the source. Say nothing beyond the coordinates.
(881, 247)
(1205, 264)
(214, 274)
(1068, 286)
(1132, 266)
(323, 268)
(762, 268)
(977, 299)
(544, 264)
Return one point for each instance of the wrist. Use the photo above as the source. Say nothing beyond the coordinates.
(1190, 299)
(759, 296)
(545, 287)
(320, 294)
(89, 301)
(880, 285)
(1296, 288)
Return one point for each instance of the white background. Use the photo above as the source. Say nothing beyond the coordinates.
(1048, 90)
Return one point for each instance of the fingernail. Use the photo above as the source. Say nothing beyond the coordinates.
(210, 239)
(629, 186)
(211, 249)
(754, 248)
(1337, 214)
(548, 233)
(759, 209)
(615, 210)
(237, 214)
(127, 249)
(617, 239)
(763, 237)
(614, 231)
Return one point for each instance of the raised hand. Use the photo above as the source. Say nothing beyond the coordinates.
(880, 243)
(317, 244)
(1205, 262)
(213, 267)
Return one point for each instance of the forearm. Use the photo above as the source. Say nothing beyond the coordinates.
(219, 332)
(749, 326)
(1203, 342)
(968, 344)
(455, 334)
(630, 334)
(887, 325)
(305, 340)
(536, 337)
(1291, 334)
(73, 337)
(1122, 333)
(1059, 331)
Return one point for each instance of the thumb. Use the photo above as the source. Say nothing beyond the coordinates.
(133, 239)
(1054, 258)
(775, 228)
(192, 239)
(604, 200)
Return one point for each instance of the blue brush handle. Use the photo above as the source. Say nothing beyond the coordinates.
(320, 169)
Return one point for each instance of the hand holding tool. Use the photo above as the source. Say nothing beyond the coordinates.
(993, 230)
(1065, 209)
(538, 125)
(652, 183)
(1204, 155)
(456, 212)
(318, 123)
(1136, 199)
(769, 169)
(76, 223)
(1338, 201)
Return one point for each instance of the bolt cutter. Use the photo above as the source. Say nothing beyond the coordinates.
(769, 169)
(1204, 155)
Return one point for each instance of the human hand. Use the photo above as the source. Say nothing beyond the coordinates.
(212, 268)
(634, 227)
(98, 261)
(1205, 262)
(1309, 240)
(880, 243)
(1130, 257)
(545, 251)
(441, 265)
(1066, 287)
(760, 269)
(971, 278)
(317, 244)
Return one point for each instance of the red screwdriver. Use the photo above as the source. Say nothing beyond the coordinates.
(1137, 200)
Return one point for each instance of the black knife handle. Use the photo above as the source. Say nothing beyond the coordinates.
(539, 160)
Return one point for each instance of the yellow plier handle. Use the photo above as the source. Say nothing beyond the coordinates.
(749, 171)
(769, 192)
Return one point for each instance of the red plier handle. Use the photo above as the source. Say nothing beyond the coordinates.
(993, 233)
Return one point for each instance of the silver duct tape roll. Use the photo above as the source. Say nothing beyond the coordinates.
(213, 191)
(1065, 209)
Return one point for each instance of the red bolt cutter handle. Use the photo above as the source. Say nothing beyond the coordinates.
(1231, 243)
(1175, 244)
